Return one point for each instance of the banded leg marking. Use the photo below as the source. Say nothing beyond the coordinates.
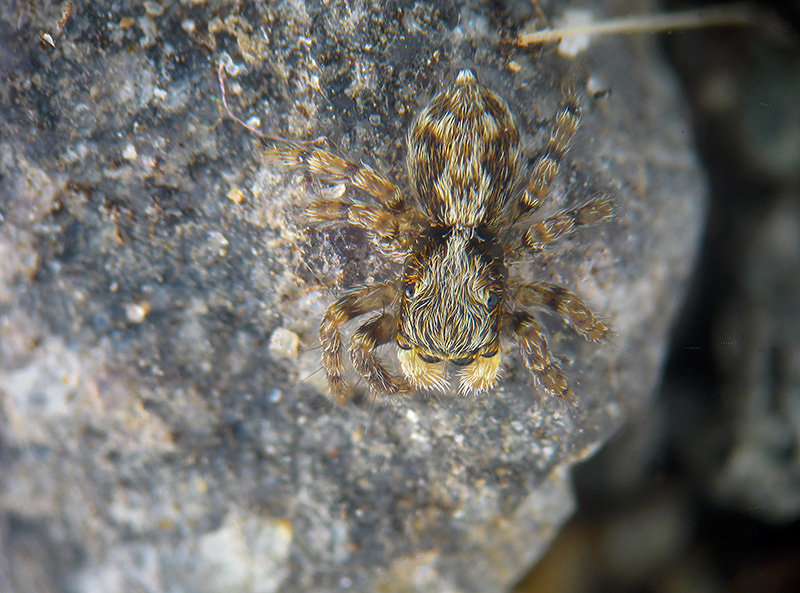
(545, 369)
(351, 305)
(564, 222)
(377, 331)
(546, 168)
(567, 305)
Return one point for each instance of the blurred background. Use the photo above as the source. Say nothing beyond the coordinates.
(703, 493)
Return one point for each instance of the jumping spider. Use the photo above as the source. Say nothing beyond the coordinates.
(471, 214)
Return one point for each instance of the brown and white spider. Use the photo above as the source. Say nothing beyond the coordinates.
(471, 214)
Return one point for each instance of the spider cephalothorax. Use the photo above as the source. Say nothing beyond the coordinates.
(470, 214)
(450, 309)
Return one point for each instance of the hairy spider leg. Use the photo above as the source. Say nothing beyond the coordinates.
(567, 305)
(564, 222)
(334, 169)
(533, 344)
(353, 304)
(379, 330)
(547, 165)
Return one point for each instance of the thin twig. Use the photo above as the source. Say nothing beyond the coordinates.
(721, 16)
(316, 142)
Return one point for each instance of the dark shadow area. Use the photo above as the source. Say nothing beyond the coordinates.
(702, 493)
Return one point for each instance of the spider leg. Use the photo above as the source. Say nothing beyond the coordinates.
(388, 231)
(564, 222)
(533, 344)
(353, 304)
(334, 169)
(377, 331)
(546, 168)
(568, 305)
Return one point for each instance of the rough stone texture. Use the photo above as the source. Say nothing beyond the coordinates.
(159, 430)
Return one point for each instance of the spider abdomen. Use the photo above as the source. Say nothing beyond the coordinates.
(464, 156)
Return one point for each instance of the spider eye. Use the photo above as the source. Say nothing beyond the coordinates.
(428, 358)
(492, 300)
(462, 362)
(410, 291)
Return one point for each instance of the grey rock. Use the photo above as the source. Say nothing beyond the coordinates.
(160, 429)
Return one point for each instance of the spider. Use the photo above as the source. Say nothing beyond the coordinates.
(470, 215)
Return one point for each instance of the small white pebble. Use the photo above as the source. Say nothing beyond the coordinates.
(572, 46)
(188, 25)
(595, 85)
(284, 344)
(137, 312)
(218, 243)
(235, 195)
(130, 153)
(153, 8)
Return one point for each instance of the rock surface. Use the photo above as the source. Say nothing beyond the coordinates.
(163, 425)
